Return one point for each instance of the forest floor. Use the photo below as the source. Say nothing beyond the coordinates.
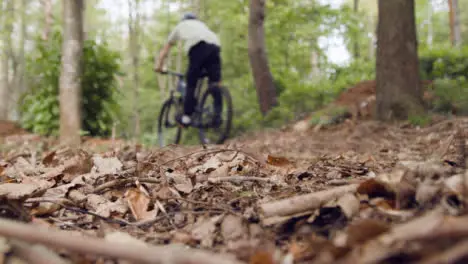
(357, 192)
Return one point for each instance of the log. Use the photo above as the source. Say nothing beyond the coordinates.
(305, 202)
(88, 245)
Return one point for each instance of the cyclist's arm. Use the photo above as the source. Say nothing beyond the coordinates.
(173, 37)
(162, 56)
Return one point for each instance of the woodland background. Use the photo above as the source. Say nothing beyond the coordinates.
(122, 94)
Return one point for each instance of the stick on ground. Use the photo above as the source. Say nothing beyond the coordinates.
(87, 245)
(305, 202)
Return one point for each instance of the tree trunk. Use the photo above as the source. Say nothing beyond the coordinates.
(71, 72)
(430, 26)
(398, 92)
(5, 53)
(134, 48)
(262, 76)
(357, 53)
(19, 78)
(455, 31)
(47, 6)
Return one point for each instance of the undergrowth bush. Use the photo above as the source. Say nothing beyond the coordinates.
(40, 106)
(448, 68)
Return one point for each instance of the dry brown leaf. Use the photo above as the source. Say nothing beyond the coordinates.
(278, 161)
(104, 207)
(349, 203)
(125, 238)
(139, 203)
(60, 191)
(232, 228)
(262, 257)
(107, 165)
(49, 158)
(212, 164)
(364, 230)
(45, 208)
(204, 230)
(17, 191)
(374, 188)
(182, 182)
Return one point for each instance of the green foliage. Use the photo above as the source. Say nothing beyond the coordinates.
(40, 106)
(451, 95)
(419, 120)
(444, 62)
(448, 68)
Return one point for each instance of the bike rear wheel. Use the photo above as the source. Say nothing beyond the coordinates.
(213, 129)
(169, 132)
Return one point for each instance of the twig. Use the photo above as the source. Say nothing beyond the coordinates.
(238, 178)
(84, 211)
(340, 182)
(59, 201)
(226, 210)
(119, 182)
(87, 245)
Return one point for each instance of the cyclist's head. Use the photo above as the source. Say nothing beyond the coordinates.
(188, 15)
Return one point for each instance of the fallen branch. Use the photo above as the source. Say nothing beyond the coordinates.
(451, 255)
(35, 254)
(305, 202)
(88, 245)
(433, 226)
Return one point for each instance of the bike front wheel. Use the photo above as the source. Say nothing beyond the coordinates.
(169, 132)
(215, 115)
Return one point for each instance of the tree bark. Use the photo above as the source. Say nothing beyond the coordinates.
(455, 31)
(7, 25)
(398, 91)
(357, 53)
(262, 76)
(134, 48)
(71, 72)
(20, 71)
(430, 26)
(47, 6)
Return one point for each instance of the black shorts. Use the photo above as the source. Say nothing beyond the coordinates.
(204, 57)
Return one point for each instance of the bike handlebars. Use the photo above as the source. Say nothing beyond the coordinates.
(180, 75)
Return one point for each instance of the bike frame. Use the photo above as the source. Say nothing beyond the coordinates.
(181, 82)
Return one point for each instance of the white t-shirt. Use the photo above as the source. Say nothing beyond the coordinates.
(193, 31)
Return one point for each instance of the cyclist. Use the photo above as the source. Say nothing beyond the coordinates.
(203, 49)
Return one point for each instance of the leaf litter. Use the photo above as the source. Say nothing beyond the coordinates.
(350, 193)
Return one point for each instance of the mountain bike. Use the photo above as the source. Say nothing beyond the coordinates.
(212, 116)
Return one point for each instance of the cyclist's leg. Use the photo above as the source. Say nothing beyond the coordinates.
(193, 73)
(213, 66)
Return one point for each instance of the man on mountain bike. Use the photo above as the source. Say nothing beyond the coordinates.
(203, 49)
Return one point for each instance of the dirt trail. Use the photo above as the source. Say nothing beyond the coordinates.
(326, 196)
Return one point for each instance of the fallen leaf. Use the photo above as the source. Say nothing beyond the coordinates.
(349, 203)
(49, 158)
(363, 230)
(262, 257)
(204, 230)
(232, 228)
(17, 191)
(123, 238)
(139, 203)
(212, 164)
(104, 207)
(107, 165)
(45, 208)
(374, 188)
(277, 161)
